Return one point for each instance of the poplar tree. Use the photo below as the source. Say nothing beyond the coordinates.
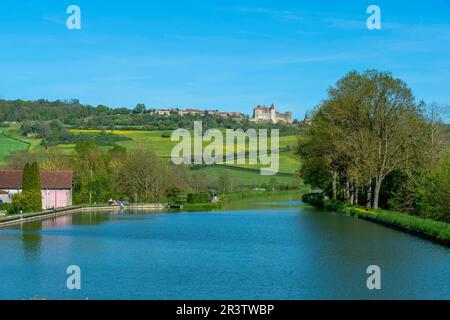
(31, 186)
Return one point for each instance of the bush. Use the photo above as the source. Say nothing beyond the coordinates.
(334, 205)
(5, 206)
(22, 202)
(203, 197)
(202, 206)
(315, 199)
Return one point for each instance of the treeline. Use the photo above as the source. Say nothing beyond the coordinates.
(53, 133)
(372, 144)
(135, 175)
(73, 114)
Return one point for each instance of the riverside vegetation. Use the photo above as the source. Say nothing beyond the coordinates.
(372, 146)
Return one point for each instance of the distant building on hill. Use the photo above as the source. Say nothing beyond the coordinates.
(192, 111)
(163, 112)
(198, 112)
(263, 113)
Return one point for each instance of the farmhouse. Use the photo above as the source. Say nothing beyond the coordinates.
(56, 187)
(163, 112)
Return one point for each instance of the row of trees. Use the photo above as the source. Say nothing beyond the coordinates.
(72, 113)
(371, 143)
(137, 175)
(54, 132)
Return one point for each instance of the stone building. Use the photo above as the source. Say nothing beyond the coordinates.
(263, 113)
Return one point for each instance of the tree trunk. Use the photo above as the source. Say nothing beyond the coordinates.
(333, 191)
(369, 195)
(376, 196)
(347, 192)
(352, 193)
(356, 190)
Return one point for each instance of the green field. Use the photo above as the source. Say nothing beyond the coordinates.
(239, 177)
(9, 145)
(33, 144)
(289, 162)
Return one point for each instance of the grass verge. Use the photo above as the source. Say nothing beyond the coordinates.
(437, 231)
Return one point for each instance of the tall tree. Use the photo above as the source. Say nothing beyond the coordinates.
(143, 175)
(31, 186)
(91, 176)
(372, 126)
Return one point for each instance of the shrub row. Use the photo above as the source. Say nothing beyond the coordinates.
(202, 197)
(412, 224)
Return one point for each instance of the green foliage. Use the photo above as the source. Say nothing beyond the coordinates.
(26, 178)
(316, 199)
(72, 113)
(31, 186)
(333, 205)
(316, 173)
(224, 182)
(22, 202)
(92, 179)
(35, 177)
(426, 193)
(202, 197)
(371, 142)
(54, 133)
(435, 229)
(202, 206)
(5, 207)
(9, 145)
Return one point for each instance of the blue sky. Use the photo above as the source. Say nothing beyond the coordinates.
(230, 55)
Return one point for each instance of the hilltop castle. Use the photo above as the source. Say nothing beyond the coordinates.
(262, 113)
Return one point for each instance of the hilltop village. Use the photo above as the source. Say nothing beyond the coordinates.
(260, 114)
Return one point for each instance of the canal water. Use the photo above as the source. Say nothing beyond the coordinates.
(271, 249)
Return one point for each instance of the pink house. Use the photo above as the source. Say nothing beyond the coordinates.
(56, 187)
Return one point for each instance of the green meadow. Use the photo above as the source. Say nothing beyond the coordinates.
(240, 177)
(289, 162)
(9, 145)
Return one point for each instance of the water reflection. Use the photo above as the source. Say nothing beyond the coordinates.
(31, 233)
(31, 240)
(277, 249)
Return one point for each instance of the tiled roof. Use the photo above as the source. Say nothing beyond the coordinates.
(12, 179)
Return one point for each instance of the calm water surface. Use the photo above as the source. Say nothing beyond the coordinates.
(254, 250)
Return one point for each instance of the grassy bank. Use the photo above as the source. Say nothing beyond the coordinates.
(426, 228)
(202, 206)
(263, 194)
(431, 228)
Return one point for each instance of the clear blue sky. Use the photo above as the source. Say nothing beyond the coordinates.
(230, 55)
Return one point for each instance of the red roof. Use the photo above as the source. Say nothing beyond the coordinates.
(12, 179)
